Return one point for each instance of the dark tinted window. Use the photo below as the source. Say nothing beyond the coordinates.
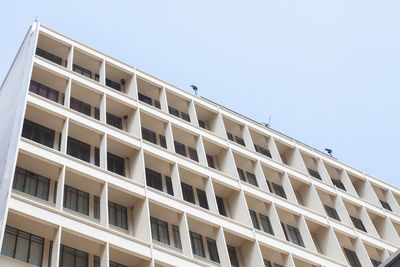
(115, 164)
(78, 149)
(31, 183)
(38, 133)
(187, 191)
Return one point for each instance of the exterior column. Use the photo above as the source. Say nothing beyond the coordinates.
(55, 253)
(105, 256)
(104, 205)
(60, 189)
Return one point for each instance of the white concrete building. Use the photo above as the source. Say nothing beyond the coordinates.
(102, 164)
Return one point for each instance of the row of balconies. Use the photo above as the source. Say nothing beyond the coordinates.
(267, 217)
(204, 149)
(174, 138)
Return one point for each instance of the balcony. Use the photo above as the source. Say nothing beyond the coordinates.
(186, 144)
(86, 65)
(234, 131)
(178, 106)
(46, 131)
(158, 174)
(119, 79)
(165, 227)
(203, 238)
(246, 170)
(85, 101)
(194, 188)
(84, 143)
(52, 50)
(261, 143)
(153, 129)
(48, 85)
(149, 93)
(121, 116)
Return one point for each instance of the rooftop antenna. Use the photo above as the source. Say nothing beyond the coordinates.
(36, 19)
(329, 151)
(194, 88)
(267, 124)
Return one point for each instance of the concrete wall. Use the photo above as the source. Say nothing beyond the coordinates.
(12, 107)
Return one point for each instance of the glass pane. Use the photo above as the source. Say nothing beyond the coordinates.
(9, 242)
(22, 247)
(36, 251)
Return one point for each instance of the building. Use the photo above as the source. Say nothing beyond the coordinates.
(102, 164)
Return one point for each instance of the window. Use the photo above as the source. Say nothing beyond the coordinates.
(202, 198)
(358, 223)
(113, 84)
(352, 258)
(210, 161)
(48, 56)
(241, 175)
(145, 99)
(77, 200)
(239, 140)
(180, 148)
(78, 149)
(157, 104)
(97, 113)
(332, 213)
(375, 263)
(385, 205)
(115, 164)
(185, 116)
(221, 206)
(177, 236)
(163, 142)
(295, 235)
(159, 230)
(284, 231)
(96, 156)
(149, 135)
(168, 185)
(96, 207)
(254, 220)
(212, 249)
(80, 106)
(196, 241)
(314, 173)
(338, 184)
(70, 257)
(187, 191)
(263, 151)
(266, 224)
(117, 215)
(82, 71)
(114, 121)
(44, 91)
(153, 179)
(267, 263)
(232, 256)
(23, 246)
(173, 111)
(202, 124)
(251, 178)
(230, 136)
(38, 133)
(193, 154)
(278, 189)
(31, 183)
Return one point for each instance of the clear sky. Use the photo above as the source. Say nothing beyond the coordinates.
(326, 72)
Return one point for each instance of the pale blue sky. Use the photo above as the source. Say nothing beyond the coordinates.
(327, 72)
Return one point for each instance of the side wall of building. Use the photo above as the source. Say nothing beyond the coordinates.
(13, 94)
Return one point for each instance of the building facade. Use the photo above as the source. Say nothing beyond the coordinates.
(102, 164)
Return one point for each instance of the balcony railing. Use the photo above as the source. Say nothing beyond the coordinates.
(49, 56)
